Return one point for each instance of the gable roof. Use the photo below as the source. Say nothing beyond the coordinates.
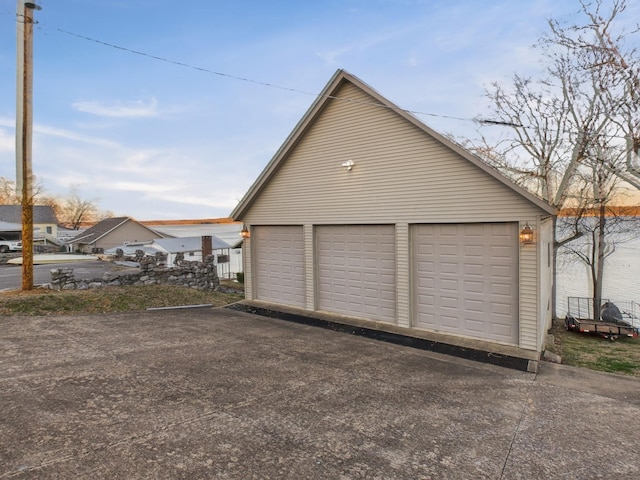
(104, 227)
(41, 214)
(316, 109)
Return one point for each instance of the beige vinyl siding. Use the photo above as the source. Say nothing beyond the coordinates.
(43, 228)
(545, 278)
(128, 232)
(529, 293)
(399, 172)
(249, 278)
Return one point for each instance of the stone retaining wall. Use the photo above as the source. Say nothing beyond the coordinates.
(198, 275)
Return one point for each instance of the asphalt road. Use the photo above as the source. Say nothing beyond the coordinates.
(11, 275)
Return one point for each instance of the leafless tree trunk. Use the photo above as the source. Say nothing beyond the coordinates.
(584, 109)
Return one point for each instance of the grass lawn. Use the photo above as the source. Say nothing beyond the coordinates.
(596, 353)
(111, 299)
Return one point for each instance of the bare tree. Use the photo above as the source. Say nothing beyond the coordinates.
(9, 196)
(602, 225)
(572, 124)
(71, 210)
(75, 210)
(8, 192)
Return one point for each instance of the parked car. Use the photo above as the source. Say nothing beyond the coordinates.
(10, 245)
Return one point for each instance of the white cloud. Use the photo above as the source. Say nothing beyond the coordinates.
(69, 135)
(136, 109)
(141, 187)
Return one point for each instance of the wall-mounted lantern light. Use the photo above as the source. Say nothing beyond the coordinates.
(244, 233)
(348, 165)
(526, 235)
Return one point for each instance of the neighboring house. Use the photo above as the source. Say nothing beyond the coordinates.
(224, 228)
(191, 248)
(66, 234)
(10, 234)
(367, 214)
(45, 222)
(110, 233)
(10, 231)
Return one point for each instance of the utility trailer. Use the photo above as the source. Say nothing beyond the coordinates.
(581, 318)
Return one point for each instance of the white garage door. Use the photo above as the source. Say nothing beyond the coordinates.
(356, 270)
(465, 279)
(279, 264)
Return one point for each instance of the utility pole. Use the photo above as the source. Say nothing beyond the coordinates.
(24, 130)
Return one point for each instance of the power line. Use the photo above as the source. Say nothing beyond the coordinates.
(479, 121)
(182, 64)
(249, 80)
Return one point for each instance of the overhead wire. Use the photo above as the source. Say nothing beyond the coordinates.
(249, 80)
(477, 120)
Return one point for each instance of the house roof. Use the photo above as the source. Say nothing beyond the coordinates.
(228, 232)
(316, 109)
(131, 249)
(10, 227)
(104, 227)
(201, 221)
(188, 244)
(41, 214)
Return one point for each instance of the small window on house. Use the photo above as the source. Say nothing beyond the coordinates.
(191, 254)
(49, 230)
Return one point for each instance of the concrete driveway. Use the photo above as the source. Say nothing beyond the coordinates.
(215, 393)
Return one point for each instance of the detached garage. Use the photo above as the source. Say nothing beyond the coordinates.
(368, 217)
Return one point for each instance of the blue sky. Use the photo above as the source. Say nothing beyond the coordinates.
(155, 140)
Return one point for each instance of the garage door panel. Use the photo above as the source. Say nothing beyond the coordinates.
(279, 263)
(504, 252)
(504, 290)
(448, 267)
(475, 264)
(470, 251)
(448, 250)
(472, 269)
(500, 271)
(449, 285)
(449, 302)
(473, 305)
(367, 264)
(474, 287)
(501, 309)
(450, 322)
